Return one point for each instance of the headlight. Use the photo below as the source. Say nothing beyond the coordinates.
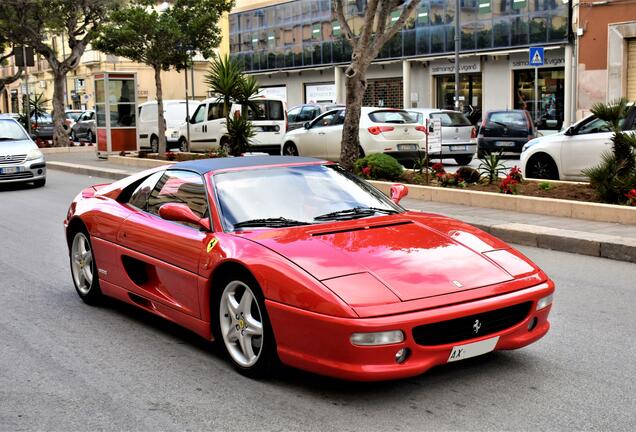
(377, 338)
(34, 154)
(527, 145)
(544, 302)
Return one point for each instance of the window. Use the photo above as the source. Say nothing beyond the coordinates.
(139, 197)
(309, 113)
(596, 125)
(293, 113)
(326, 120)
(199, 114)
(179, 187)
(215, 111)
(451, 119)
(267, 110)
(392, 116)
(341, 118)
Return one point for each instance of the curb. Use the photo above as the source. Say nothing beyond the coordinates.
(73, 149)
(579, 242)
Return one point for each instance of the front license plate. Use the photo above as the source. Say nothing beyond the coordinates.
(461, 352)
(11, 170)
(506, 143)
(458, 148)
(407, 147)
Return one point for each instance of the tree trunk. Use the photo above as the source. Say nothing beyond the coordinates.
(356, 84)
(161, 121)
(60, 136)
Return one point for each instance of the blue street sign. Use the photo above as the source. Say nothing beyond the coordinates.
(536, 56)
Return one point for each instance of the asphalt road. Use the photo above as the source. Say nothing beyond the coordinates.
(67, 366)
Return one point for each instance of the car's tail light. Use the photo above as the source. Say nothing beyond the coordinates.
(420, 128)
(34, 126)
(376, 130)
(473, 132)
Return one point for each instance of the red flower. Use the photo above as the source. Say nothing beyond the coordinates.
(515, 173)
(508, 185)
(366, 171)
(631, 197)
(438, 168)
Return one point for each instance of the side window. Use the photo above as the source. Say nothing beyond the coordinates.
(594, 126)
(91, 115)
(292, 114)
(215, 111)
(340, 119)
(179, 187)
(325, 120)
(199, 114)
(306, 114)
(139, 197)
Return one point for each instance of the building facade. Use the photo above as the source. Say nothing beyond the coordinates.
(298, 52)
(606, 43)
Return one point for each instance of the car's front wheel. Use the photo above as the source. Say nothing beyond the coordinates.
(243, 327)
(541, 166)
(183, 145)
(83, 268)
(290, 149)
(154, 144)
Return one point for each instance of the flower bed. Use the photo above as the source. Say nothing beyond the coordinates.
(180, 156)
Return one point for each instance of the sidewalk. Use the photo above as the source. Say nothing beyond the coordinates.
(602, 239)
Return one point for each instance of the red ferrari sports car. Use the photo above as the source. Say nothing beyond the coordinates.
(294, 260)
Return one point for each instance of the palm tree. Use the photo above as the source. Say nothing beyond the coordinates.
(224, 78)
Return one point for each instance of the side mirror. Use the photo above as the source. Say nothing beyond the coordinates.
(306, 125)
(398, 191)
(187, 119)
(570, 131)
(179, 212)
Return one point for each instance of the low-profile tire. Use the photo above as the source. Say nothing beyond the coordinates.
(183, 145)
(154, 144)
(290, 149)
(83, 268)
(463, 160)
(89, 137)
(542, 166)
(242, 327)
(39, 183)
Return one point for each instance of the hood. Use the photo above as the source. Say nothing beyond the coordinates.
(16, 147)
(410, 258)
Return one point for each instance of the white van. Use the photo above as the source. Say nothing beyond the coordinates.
(174, 111)
(208, 126)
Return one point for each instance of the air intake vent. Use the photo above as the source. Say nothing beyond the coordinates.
(360, 228)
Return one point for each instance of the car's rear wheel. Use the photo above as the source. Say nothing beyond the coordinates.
(83, 268)
(154, 144)
(463, 160)
(243, 327)
(290, 149)
(183, 145)
(541, 166)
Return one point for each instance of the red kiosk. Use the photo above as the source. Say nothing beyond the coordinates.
(116, 111)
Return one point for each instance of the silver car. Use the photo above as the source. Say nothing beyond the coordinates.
(459, 136)
(20, 158)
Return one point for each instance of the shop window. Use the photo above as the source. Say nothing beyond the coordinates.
(520, 4)
(547, 109)
(422, 40)
(485, 6)
(469, 92)
(484, 34)
(422, 16)
(316, 32)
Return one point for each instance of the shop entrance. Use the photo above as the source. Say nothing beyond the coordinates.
(550, 84)
(469, 94)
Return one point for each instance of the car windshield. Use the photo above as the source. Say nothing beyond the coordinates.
(296, 195)
(451, 119)
(73, 115)
(514, 119)
(11, 131)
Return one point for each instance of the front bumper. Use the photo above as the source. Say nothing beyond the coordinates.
(320, 343)
(28, 171)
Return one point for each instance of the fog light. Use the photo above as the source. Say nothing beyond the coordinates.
(544, 302)
(377, 338)
(39, 172)
(402, 355)
(532, 324)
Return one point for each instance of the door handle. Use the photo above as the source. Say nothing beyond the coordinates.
(321, 133)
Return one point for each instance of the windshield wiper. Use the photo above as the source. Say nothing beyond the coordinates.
(270, 222)
(354, 213)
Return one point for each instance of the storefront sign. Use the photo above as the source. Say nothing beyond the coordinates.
(316, 93)
(551, 58)
(445, 67)
(274, 92)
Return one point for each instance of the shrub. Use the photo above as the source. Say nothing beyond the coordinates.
(631, 197)
(515, 173)
(170, 156)
(468, 174)
(378, 166)
(508, 185)
(490, 167)
(544, 185)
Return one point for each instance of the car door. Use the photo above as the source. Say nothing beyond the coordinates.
(314, 141)
(583, 149)
(293, 118)
(197, 140)
(333, 136)
(162, 263)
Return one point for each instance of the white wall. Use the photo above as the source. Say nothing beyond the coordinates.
(295, 82)
(496, 84)
(421, 84)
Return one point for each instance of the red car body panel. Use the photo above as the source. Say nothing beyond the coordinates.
(321, 282)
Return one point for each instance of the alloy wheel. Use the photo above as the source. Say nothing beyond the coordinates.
(82, 263)
(290, 150)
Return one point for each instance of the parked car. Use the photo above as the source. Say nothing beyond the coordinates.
(505, 131)
(42, 126)
(297, 260)
(70, 118)
(459, 136)
(382, 130)
(300, 114)
(563, 156)
(20, 158)
(208, 130)
(174, 111)
(85, 127)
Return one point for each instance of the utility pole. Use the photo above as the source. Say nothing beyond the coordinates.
(192, 71)
(457, 41)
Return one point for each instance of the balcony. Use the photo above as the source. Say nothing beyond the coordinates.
(91, 57)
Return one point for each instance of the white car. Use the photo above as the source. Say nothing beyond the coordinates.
(208, 125)
(174, 112)
(459, 136)
(564, 155)
(20, 158)
(382, 130)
